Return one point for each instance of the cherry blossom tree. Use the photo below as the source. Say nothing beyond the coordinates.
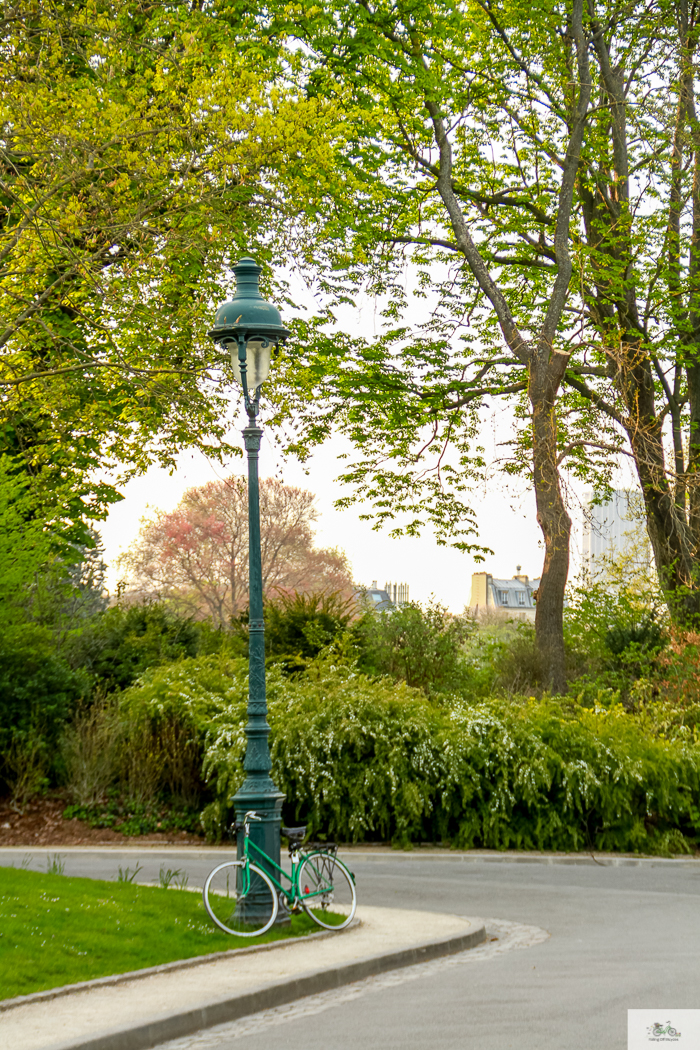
(196, 556)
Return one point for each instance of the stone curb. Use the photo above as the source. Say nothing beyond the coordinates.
(604, 860)
(524, 858)
(150, 1033)
(179, 964)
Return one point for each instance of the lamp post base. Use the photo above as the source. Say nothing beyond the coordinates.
(265, 833)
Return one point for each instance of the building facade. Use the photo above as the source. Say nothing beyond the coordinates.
(613, 529)
(516, 596)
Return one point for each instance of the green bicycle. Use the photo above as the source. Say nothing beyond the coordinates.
(243, 899)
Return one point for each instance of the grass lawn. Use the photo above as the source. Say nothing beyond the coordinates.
(56, 930)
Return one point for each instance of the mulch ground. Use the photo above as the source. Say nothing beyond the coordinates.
(42, 824)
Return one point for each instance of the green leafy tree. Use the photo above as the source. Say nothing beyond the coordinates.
(503, 80)
(26, 543)
(464, 137)
(38, 687)
(640, 209)
(141, 147)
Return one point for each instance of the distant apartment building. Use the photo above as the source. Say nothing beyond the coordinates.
(516, 596)
(612, 529)
(389, 596)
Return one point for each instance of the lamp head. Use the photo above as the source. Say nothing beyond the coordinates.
(249, 326)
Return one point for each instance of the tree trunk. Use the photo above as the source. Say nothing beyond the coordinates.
(671, 497)
(555, 523)
(671, 539)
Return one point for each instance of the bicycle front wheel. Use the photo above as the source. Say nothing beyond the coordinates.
(240, 899)
(327, 891)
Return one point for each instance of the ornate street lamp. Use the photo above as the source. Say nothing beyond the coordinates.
(248, 327)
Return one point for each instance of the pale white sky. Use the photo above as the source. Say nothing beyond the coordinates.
(505, 512)
(506, 519)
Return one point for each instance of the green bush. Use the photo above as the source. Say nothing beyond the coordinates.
(361, 762)
(423, 647)
(613, 636)
(300, 626)
(362, 759)
(38, 688)
(122, 642)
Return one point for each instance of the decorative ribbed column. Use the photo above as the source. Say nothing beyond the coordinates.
(258, 791)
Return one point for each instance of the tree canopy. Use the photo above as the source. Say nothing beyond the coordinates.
(142, 146)
(463, 123)
(196, 556)
(534, 164)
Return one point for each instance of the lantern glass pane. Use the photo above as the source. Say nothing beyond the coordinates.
(257, 362)
(258, 358)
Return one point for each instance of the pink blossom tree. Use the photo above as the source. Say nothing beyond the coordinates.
(196, 556)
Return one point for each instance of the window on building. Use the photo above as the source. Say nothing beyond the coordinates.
(504, 597)
(521, 597)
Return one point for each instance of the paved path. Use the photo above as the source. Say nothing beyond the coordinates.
(146, 1002)
(621, 937)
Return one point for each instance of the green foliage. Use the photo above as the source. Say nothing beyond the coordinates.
(192, 691)
(460, 124)
(38, 688)
(121, 643)
(614, 635)
(26, 543)
(168, 877)
(126, 875)
(300, 626)
(387, 201)
(153, 144)
(420, 646)
(133, 761)
(361, 759)
(90, 749)
(231, 641)
(55, 865)
(515, 664)
(167, 716)
(58, 930)
(641, 637)
(42, 583)
(420, 749)
(135, 818)
(69, 591)
(25, 761)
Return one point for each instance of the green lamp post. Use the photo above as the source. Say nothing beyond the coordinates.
(248, 327)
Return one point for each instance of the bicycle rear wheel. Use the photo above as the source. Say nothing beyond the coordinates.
(327, 890)
(242, 902)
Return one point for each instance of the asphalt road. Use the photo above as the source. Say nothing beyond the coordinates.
(620, 938)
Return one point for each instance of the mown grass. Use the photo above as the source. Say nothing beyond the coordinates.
(56, 930)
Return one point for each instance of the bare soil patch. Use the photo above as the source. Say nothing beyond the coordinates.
(42, 824)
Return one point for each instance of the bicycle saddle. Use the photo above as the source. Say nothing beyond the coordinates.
(294, 833)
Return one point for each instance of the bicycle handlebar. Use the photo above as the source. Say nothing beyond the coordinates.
(243, 824)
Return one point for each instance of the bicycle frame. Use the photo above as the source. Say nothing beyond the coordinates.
(292, 895)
